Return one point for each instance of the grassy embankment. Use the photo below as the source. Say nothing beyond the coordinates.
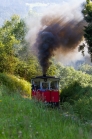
(23, 118)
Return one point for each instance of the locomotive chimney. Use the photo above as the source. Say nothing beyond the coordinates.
(44, 75)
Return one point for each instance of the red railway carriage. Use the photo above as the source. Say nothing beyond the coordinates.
(46, 89)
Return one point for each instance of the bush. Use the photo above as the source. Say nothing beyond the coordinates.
(14, 84)
(74, 91)
(83, 108)
(74, 84)
(76, 94)
(70, 93)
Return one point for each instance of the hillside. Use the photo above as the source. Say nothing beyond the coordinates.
(22, 117)
(25, 119)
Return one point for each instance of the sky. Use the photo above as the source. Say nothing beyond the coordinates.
(22, 7)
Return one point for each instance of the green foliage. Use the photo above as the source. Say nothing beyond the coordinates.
(70, 92)
(86, 68)
(68, 75)
(87, 12)
(16, 27)
(52, 70)
(83, 108)
(88, 37)
(7, 59)
(74, 92)
(28, 69)
(14, 84)
(74, 84)
(15, 57)
(11, 36)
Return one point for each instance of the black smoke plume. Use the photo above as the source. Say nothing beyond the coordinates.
(57, 34)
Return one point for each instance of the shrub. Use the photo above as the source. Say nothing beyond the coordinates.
(15, 84)
(74, 84)
(83, 108)
(74, 91)
(70, 93)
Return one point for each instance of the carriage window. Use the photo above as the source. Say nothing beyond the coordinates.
(45, 86)
(53, 85)
(36, 84)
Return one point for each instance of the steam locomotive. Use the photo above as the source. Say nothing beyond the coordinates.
(46, 89)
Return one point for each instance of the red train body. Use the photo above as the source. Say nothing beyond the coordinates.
(46, 89)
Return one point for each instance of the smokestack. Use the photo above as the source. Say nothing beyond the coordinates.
(44, 75)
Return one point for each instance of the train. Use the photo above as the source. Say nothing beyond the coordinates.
(46, 89)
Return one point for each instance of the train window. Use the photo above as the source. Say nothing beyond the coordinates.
(45, 85)
(53, 85)
(36, 85)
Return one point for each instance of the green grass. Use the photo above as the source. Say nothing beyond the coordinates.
(25, 119)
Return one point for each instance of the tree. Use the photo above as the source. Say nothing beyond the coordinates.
(87, 12)
(29, 68)
(86, 68)
(7, 41)
(11, 39)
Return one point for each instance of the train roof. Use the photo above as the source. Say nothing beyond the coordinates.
(46, 77)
